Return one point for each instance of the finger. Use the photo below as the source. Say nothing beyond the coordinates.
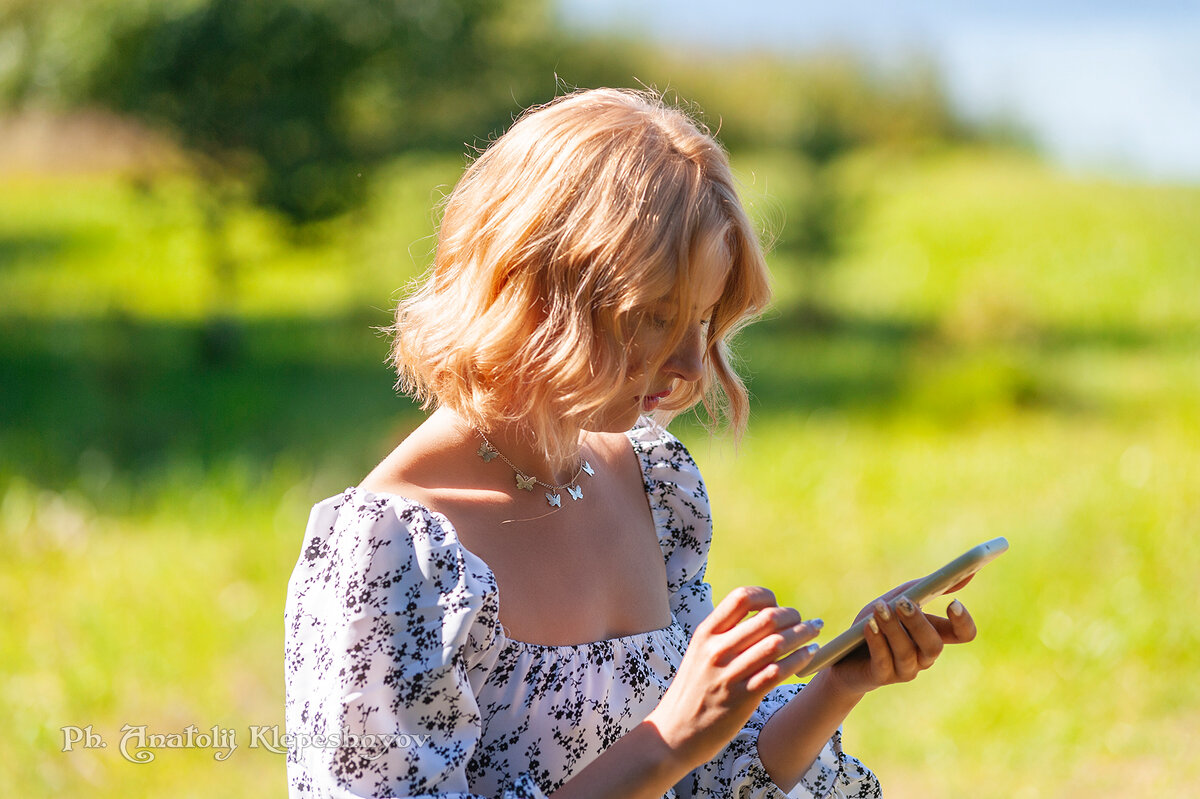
(773, 647)
(734, 607)
(959, 628)
(771, 675)
(898, 590)
(904, 651)
(960, 585)
(762, 624)
(927, 640)
(895, 592)
(961, 623)
(880, 652)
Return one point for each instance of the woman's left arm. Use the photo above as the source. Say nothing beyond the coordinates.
(901, 642)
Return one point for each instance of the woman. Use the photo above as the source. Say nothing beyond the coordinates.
(512, 604)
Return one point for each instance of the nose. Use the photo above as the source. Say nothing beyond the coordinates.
(687, 361)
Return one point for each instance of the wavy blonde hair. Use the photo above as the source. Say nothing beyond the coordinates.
(553, 246)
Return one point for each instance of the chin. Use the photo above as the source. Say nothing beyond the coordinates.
(616, 422)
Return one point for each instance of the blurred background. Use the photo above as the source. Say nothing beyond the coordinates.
(985, 233)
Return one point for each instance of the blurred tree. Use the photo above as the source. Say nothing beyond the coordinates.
(288, 101)
(294, 97)
(20, 35)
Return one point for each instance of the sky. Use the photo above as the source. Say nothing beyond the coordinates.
(1103, 86)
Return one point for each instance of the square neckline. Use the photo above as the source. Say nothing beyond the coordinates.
(501, 633)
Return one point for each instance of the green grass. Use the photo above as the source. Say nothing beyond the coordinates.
(1003, 351)
(90, 247)
(1085, 646)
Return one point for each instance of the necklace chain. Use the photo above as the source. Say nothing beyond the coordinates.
(525, 482)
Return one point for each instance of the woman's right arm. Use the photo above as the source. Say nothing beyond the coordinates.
(730, 665)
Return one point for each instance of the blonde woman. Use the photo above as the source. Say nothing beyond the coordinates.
(513, 603)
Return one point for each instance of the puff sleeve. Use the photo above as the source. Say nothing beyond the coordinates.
(680, 506)
(388, 620)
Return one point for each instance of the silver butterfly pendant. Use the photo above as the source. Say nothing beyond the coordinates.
(554, 500)
(486, 452)
(587, 467)
(524, 483)
(576, 492)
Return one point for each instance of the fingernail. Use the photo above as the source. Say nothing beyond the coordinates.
(812, 648)
(871, 623)
(809, 626)
(905, 606)
(883, 610)
(956, 608)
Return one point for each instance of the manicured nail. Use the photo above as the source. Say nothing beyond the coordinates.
(809, 626)
(905, 606)
(812, 648)
(956, 608)
(871, 623)
(883, 610)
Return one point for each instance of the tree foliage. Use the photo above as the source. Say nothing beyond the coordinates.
(295, 97)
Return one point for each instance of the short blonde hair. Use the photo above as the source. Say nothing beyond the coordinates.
(552, 247)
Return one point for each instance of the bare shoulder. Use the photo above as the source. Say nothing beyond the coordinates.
(616, 453)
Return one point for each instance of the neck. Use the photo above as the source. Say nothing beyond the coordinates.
(517, 445)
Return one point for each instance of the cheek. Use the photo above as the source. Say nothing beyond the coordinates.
(645, 349)
(641, 373)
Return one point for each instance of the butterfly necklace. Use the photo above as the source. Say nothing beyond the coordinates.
(526, 482)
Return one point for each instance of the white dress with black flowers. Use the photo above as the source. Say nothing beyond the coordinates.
(393, 634)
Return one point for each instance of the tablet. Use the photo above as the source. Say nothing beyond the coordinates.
(920, 592)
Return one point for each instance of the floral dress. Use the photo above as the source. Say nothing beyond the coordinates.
(401, 681)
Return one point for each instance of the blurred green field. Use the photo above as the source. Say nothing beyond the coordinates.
(1005, 351)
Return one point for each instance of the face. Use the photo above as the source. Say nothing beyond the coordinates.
(683, 364)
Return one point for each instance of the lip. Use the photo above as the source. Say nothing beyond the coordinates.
(650, 401)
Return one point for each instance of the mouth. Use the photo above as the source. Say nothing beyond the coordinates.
(650, 401)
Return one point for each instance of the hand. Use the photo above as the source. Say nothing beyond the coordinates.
(730, 664)
(902, 643)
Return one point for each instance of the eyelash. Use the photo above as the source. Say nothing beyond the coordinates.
(663, 324)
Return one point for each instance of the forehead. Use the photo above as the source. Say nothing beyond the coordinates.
(703, 283)
(707, 287)
(709, 273)
(704, 289)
